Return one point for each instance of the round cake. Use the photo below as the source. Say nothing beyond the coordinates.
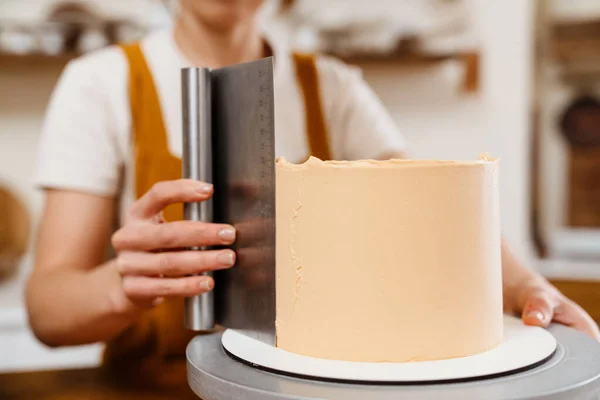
(388, 261)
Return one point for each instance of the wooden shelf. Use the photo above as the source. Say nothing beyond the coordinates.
(417, 59)
(575, 49)
(400, 58)
(570, 50)
(11, 60)
(471, 61)
(573, 43)
(406, 58)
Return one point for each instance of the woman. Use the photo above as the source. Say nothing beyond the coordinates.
(111, 147)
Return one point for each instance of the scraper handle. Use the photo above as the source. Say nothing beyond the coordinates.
(197, 164)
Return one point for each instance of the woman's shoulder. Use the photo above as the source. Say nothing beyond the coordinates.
(108, 62)
(111, 63)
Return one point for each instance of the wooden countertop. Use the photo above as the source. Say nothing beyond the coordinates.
(96, 384)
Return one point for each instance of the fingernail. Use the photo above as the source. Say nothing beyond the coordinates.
(206, 285)
(227, 234)
(536, 315)
(226, 258)
(158, 301)
(205, 188)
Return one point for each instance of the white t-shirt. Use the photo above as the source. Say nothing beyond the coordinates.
(86, 138)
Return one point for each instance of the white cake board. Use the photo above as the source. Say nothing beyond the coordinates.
(523, 346)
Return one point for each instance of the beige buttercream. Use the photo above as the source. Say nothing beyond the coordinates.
(394, 260)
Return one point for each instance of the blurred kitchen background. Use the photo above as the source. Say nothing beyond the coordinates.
(518, 79)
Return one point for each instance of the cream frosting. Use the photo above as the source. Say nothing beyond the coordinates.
(395, 260)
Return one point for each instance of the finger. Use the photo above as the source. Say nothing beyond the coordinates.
(174, 264)
(538, 309)
(159, 218)
(571, 314)
(165, 193)
(142, 288)
(143, 236)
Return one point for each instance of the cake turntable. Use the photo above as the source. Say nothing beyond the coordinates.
(571, 372)
(229, 140)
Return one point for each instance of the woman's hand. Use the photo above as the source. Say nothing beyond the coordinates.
(540, 303)
(151, 259)
(530, 295)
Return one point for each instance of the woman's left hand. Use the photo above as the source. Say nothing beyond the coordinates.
(540, 303)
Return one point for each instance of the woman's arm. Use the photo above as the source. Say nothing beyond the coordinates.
(530, 295)
(75, 297)
(73, 294)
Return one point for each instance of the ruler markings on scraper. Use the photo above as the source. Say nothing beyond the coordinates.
(266, 160)
(266, 128)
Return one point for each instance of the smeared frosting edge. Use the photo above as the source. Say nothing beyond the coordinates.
(483, 159)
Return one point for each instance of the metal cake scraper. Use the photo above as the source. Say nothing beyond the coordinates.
(229, 140)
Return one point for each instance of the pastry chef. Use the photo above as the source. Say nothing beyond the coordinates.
(110, 154)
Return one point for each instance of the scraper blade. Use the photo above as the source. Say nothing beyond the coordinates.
(243, 174)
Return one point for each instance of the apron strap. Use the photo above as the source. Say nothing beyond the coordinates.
(316, 129)
(148, 129)
(159, 333)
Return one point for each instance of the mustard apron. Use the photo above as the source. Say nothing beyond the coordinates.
(160, 333)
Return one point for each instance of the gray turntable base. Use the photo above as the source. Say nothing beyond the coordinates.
(572, 373)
